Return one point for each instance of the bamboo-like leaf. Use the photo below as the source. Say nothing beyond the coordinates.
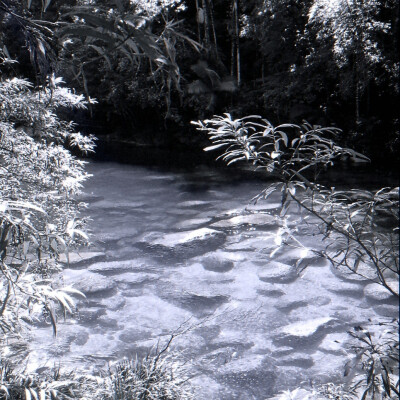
(85, 31)
(133, 46)
(33, 393)
(386, 379)
(72, 290)
(96, 20)
(52, 319)
(101, 51)
(28, 395)
(214, 147)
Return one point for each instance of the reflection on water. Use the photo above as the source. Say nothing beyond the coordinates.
(175, 249)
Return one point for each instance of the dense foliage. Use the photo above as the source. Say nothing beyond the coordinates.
(316, 60)
(39, 179)
(155, 377)
(159, 65)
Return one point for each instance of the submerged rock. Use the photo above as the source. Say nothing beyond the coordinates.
(258, 219)
(273, 293)
(275, 271)
(193, 204)
(288, 306)
(333, 343)
(140, 264)
(307, 328)
(88, 282)
(172, 240)
(344, 288)
(375, 291)
(80, 258)
(112, 266)
(191, 223)
(262, 206)
(305, 333)
(200, 305)
(365, 272)
(300, 360)
(90, 315)
(134, 278)
(220, 261)
(114, 303)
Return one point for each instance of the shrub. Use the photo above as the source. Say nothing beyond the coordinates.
(147, 379)
(155, 377)
(39, 179)
(296, 155)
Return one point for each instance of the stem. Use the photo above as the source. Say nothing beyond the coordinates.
(3, 306)
(349, 236)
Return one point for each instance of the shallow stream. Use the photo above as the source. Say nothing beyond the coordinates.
(184, 253)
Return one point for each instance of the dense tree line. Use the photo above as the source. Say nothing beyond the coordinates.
(153, 69)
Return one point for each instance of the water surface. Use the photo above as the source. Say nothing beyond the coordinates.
(184, 253)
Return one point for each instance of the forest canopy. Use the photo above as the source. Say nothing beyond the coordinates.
(160, 64)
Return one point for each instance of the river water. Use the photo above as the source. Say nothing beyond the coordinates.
(185, 253)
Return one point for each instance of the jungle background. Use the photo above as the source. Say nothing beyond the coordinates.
(154, 66)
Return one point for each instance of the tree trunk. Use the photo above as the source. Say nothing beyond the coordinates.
(198, 23)
(206, 25)
(236, 20)
(211, 7)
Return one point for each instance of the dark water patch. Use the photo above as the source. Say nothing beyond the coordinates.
(271, 293)
(256, 383)
(199, 305)
(295, 360)
(217, 265)
(288, 307)
(387, 310)
(208, 333)
(90, 316)
(182, 252)
(101, 294)
(131, 336)
(109, 323)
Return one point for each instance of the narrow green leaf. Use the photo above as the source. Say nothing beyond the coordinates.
(216, 146)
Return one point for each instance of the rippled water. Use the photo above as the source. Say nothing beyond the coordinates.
(182, 252)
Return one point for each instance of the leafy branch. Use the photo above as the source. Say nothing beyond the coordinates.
(296, 155)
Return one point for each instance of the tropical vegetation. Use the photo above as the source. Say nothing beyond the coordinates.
(159, 65)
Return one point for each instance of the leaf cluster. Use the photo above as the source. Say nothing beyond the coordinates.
(39, 181)
(377, 351)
